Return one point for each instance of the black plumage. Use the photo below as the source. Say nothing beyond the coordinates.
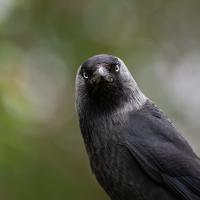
(134, 150)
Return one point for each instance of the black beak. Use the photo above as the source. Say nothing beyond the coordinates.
(101, 74)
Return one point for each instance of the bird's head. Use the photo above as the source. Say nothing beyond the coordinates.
(105, 82)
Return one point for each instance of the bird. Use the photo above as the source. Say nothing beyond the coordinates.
(134, 150)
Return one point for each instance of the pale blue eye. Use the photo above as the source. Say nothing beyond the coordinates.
(85, 75)
(117, 68)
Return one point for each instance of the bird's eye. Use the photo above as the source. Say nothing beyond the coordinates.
(117, 68)
(85, 75)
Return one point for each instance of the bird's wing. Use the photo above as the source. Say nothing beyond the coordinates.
(163, 153)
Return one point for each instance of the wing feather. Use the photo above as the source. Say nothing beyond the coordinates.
(163, 153)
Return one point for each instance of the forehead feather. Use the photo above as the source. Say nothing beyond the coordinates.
(98, 59)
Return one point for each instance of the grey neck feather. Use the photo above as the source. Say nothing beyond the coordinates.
(136, 98)
(136, 101)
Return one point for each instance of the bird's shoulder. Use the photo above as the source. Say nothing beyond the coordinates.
(150, 124)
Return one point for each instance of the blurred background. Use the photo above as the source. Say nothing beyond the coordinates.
(42, 43)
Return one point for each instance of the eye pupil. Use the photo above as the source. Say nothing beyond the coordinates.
(85, 75)
(117, 68)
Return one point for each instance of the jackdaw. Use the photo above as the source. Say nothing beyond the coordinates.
(135, 151)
